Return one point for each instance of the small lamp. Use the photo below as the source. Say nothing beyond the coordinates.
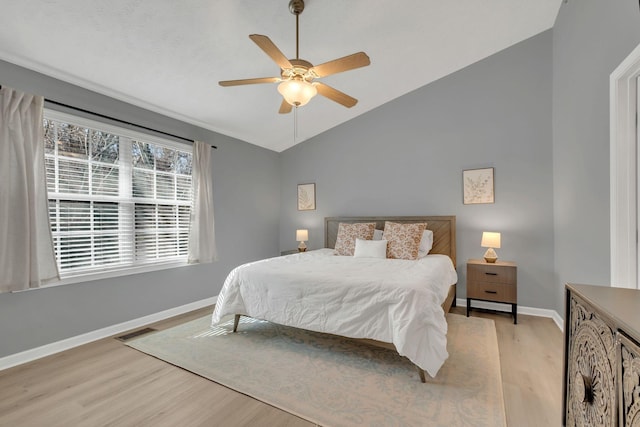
(490, 240)
(302, 236)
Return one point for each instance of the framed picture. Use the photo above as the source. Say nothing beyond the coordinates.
(477, 185)
(306, 197)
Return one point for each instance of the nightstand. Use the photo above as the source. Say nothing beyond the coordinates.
(495, 282)
(293, 251)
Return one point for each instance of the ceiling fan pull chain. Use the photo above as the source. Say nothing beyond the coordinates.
(295, 124)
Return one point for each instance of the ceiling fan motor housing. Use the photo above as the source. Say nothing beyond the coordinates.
(301, 69)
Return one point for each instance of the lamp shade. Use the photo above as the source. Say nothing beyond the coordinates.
(302, 235)
(297, 92)
(490, 240)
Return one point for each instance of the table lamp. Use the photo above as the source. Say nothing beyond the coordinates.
(490, 240)
(302, 236)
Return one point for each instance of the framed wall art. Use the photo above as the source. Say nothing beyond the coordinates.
(306, 197)
(477, 186)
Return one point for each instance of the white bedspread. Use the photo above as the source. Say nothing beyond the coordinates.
(395, 301)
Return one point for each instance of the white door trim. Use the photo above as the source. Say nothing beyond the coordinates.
(623, 161)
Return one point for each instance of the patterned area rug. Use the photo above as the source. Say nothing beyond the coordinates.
(333, 381)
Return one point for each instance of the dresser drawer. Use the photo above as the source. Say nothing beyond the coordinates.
(590, 379)
(487, 273)
(629, 375)
(501, 292)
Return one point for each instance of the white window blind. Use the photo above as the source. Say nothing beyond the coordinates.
(117, 200)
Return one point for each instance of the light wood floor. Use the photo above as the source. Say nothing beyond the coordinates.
(106, 383)
(531, 366)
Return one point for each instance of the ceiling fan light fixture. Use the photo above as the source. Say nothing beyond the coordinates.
(297, 92)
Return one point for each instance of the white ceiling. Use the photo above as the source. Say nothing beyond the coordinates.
(168, 56)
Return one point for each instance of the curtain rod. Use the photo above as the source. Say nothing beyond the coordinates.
(50, 101)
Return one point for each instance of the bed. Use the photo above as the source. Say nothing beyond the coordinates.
(394, 303)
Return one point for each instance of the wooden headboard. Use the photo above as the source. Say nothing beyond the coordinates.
(443, 227)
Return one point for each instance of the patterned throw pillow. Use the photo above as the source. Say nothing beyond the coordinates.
(403, 239)
(348, 233)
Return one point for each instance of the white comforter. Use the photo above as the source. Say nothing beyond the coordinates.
(395, 301)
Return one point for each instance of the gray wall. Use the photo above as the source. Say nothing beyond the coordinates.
(406, 158)
(591, 38)
(247, 207)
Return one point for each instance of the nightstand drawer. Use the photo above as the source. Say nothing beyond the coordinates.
(487, 273)
(493, 291)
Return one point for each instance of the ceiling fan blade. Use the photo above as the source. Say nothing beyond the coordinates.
(285, 107)
(272, 50)
(249, 81)
(345, 63)
(335, 95)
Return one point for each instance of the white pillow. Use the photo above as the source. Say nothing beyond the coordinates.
(426, 243)
(377, 234)
(370, 249)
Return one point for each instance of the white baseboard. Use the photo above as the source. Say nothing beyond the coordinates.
(530, 311)
(66, 344)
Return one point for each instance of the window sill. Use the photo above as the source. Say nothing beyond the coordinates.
(90, 277)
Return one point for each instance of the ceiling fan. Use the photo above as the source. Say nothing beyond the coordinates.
(296, 82)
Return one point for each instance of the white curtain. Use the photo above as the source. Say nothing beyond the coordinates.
(202, 239)
(27, 259)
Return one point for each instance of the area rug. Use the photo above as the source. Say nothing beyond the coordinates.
(334, 381)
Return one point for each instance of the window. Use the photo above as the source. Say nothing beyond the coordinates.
(118, 200)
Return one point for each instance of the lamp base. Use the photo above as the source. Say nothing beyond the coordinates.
(490, 256)
(302, 247)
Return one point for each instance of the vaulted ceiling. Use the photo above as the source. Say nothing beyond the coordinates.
(168, 56)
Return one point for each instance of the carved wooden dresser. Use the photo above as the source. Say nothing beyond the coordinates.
(601, 384)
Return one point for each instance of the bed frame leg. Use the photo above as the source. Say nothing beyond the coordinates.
(236, 320)
(421, 373)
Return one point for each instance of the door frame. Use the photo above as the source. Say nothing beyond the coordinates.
(623, 87)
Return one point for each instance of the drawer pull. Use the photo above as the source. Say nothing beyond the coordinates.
(491, 292)
(490, 274)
